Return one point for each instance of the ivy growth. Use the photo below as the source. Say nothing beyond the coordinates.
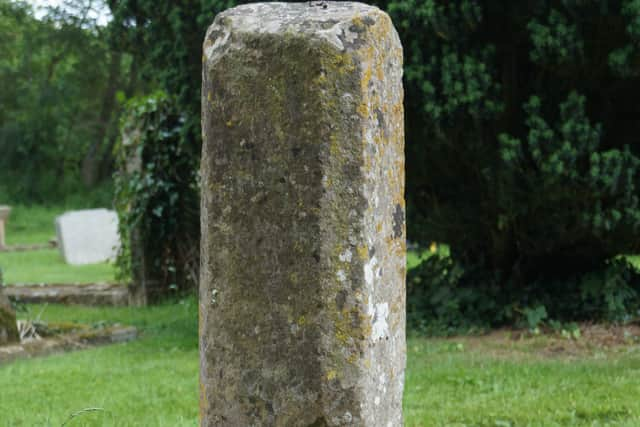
(157, 197)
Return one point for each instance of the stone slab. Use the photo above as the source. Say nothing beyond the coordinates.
(88, 236)
(302, 290)
(66, 343)
(97, 294)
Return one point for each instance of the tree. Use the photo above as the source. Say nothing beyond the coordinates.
(58, 102)
(165, 38)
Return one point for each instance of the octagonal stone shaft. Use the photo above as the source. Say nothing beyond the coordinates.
(302, 295)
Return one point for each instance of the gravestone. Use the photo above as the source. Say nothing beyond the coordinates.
(4, 216)
(88, 236)
(302, 290)
(8, 326)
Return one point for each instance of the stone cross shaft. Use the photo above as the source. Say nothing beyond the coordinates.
(302, 287)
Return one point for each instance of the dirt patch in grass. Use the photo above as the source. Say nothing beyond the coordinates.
(586, 340)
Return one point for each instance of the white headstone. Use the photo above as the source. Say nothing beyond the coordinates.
(88, 236)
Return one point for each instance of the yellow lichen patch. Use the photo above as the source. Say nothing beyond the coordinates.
(390, 174)
(366, 326)
(363, 252)
(342, 336)
(332, 374)
(379, 71)
(204, 402)
(340, 62)
(294, 277)
(302, 321)
(321, 79)
(363, 110)
(334, 147)
(357, 22)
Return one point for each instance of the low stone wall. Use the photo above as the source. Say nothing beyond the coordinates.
(92, 294)
(28, 248)
(70, 342)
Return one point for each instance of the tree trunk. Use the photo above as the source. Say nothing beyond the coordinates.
(91, 164)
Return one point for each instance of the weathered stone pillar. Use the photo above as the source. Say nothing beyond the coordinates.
(302, 295)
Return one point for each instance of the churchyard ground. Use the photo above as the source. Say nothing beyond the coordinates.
(495, 380)
(500, 379)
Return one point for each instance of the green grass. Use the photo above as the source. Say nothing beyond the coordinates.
(148, 382)
(32, 224)
(154, 381)
(447, 385)
(35, 225)
(47, 266)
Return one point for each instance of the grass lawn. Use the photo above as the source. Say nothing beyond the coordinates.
(466, 381)
(48, 266)
(34, 225)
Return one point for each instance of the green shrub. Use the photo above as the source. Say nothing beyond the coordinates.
(445, 298)
(522, 152)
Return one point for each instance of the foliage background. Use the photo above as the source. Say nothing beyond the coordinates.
(61, 85)
(521, 124)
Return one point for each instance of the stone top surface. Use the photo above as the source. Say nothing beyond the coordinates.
(306, 16)
(324, 20)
